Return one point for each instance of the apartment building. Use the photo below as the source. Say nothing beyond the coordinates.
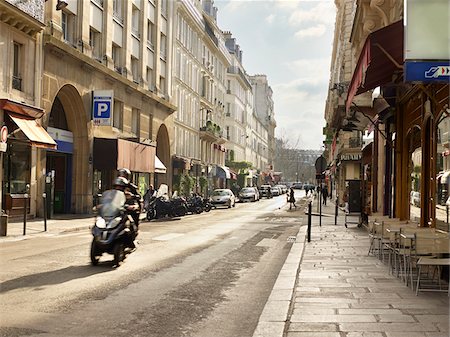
(264, 107)
(200, 64)
(21, 115)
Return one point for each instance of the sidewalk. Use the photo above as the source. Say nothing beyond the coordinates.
(57, 225)
(330, 287)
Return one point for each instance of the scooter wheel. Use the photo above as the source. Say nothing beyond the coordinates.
(94, 254)
(150, 215)
(207, 208)
(119, 254)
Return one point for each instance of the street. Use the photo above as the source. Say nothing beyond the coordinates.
(199, 275)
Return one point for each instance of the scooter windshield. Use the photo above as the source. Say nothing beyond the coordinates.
(112, 203)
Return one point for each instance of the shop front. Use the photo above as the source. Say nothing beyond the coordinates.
(19, 174)
(109, 155)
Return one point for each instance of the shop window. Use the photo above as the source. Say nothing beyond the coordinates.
(16, 169)
(443, 173)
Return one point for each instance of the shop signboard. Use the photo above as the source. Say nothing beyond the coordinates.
(427, 32)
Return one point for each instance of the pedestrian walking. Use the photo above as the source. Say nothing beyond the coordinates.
(291, 198)
(324, 195)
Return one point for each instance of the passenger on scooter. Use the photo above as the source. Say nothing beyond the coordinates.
(131, 204)
(126, 173)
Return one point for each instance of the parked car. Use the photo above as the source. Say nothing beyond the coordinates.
(223, 197)
(265, 191)
(283, 188)
(415, 198)
(297, 186)
(275, 190)
(248, 194)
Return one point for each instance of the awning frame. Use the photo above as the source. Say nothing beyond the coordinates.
(372, 70)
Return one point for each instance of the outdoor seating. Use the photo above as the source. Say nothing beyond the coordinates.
(415, 243)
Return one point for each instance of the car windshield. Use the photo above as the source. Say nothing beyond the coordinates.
(112, 203)
(246, 190)
(220, 193)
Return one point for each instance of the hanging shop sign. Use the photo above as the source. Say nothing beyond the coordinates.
(427, 32)
(351, 157)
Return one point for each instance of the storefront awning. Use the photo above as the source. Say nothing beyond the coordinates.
(33, 131)
(233, 175)
(380, 57)
(221, 172)
(112, 154)
(159, 166)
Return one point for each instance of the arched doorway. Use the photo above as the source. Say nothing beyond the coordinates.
(442, 180)
(163, 153)
(414, 172)
(68, 166)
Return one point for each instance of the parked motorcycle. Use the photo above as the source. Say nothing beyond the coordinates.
(114, 230)
(207, 205)
(195, 204)
(160, 206)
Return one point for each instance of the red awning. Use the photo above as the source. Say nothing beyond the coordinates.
(380, 57)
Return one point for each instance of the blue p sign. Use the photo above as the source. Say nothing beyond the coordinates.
(102, 109)
(102, 106)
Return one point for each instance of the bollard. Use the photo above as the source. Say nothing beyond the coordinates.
(44, 197)
(25, 213)
(309, 220)
(336, 211)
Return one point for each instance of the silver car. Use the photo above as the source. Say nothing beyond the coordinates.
(248, 193)
(223, 197)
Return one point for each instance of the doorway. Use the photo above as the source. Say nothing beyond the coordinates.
(60, 164)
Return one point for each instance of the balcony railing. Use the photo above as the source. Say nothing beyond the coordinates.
(211, 131)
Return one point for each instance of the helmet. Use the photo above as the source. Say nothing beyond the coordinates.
(124, 172)
(120, 182)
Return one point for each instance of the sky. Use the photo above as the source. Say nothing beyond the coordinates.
(290, 41)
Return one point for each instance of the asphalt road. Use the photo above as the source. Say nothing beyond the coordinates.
(199, 275)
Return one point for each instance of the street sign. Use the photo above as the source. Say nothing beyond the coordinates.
(102, 106)
(4, 134)
(321, 165)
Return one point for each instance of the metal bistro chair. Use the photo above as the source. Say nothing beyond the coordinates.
(424, 244)
(431, 248)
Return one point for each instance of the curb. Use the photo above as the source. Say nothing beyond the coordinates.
(275, 314)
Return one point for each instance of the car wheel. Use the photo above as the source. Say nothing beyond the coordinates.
(234, 203)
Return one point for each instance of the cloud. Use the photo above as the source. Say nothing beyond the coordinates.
(314, 31)
(270, 19)
(323, 12)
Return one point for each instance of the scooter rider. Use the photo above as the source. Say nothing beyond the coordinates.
(126, 173)
(132, 206)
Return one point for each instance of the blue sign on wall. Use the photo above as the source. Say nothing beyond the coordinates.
(102, 107)
(427, 71)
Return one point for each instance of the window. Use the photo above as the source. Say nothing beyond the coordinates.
(95, 43)
(163, 47)
(17, 66)
(162, 84)
(150, 126)
(135, 69)
(67, 25)
(135, 117)
(150, 80)
(135, 17)
(118, 10)
(150, 35)
(116, 56)
(118, 114)
(164, 7)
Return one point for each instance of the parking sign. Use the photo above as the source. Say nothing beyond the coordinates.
(102, 107)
